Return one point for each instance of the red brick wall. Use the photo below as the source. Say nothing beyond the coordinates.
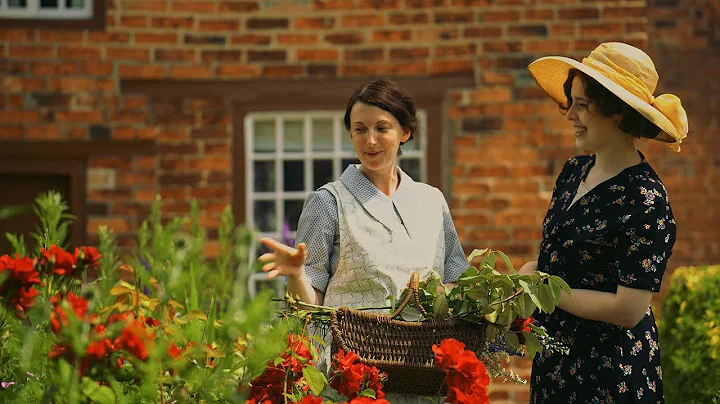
(507, 141)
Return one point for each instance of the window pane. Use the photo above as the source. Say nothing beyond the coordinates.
(293, 131)
(48, 3)
(17, 3)
(347, 162)
(74, 3)
(322, 173)
(264, 172)
(265, 215)
(264, 140)
(293, 208)
(294, 176)
(411, 167)
(413, 144)
(322, 134)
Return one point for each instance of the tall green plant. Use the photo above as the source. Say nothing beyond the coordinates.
(690, 336)
(168, 282)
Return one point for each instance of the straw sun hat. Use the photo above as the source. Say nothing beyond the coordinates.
(628, 73)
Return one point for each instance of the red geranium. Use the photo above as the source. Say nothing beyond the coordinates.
(89, 256)
(310, 400)
(134, 339)
(19, 288)
(368, 400)
(350, 378)
(58, 317)
(59, 261)
(467, 378)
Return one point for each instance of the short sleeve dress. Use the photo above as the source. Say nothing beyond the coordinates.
(620, 233)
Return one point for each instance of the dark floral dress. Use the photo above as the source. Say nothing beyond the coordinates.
(620, 233)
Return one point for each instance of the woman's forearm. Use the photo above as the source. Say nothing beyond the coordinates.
(301, 287)
(625, 310)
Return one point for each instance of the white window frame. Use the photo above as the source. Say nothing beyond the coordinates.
(307, 156)
(33, 10)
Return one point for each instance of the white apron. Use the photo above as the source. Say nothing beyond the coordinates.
(378, 254)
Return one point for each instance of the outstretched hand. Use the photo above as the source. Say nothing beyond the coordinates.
(285, 260)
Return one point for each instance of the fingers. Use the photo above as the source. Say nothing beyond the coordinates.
(302, 250)
(268, 267)
(277, 246)
(267, 257)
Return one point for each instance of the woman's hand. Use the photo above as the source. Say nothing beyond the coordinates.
(285, 260)
(529, 268)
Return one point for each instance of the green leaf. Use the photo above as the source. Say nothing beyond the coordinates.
(96, 393)
(476, 253)
(491, 261)
(492, 331)
(315, 379)
(368, 393)
(506, 260)
(555, 290)
(411, 314)
(512, 341)
(544, 296)
(476, 293)
(563, 285)
(529, 306)
(532, 344)
(440, 306)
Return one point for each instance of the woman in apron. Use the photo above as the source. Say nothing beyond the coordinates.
(361, 237)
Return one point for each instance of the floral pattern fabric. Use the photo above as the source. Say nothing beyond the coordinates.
(620, 233)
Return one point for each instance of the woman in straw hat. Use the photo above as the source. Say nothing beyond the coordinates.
(609, 230)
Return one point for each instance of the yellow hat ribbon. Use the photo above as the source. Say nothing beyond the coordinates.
(668, 104)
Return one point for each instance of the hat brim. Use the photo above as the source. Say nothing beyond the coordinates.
(551, 72)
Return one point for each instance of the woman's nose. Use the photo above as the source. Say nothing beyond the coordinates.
(571, 113)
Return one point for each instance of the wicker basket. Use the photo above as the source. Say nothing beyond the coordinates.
(400, 348)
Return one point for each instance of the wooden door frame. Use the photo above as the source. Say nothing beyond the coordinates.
(429, 93)
(69, 158)
(75, 168)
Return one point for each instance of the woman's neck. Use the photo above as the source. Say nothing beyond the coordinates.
(386, 181)
(612, 159)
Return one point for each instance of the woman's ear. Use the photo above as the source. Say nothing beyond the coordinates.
(405, 136)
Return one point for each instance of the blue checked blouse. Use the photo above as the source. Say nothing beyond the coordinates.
(318, 228)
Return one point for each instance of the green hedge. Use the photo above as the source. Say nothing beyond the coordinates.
(690, 336)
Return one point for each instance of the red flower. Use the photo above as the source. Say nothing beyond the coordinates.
(57, 351)
(24, 300)
(58, 317)
(520, 324)
(174, 351)
(63, 263)
(89, 256)
(118, 317)
(152, 322)
(310, 400)
(467, 378)
(298, 353)
(347, 375)
(133, 339)
(22, 270)
(98, 349)
(368, 400)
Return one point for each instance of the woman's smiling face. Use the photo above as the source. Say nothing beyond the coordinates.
(376, 136)
(591, 127)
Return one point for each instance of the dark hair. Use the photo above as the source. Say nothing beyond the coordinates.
(609, 104)
(386, 95)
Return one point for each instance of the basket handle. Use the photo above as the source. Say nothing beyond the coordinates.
(414, 288)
